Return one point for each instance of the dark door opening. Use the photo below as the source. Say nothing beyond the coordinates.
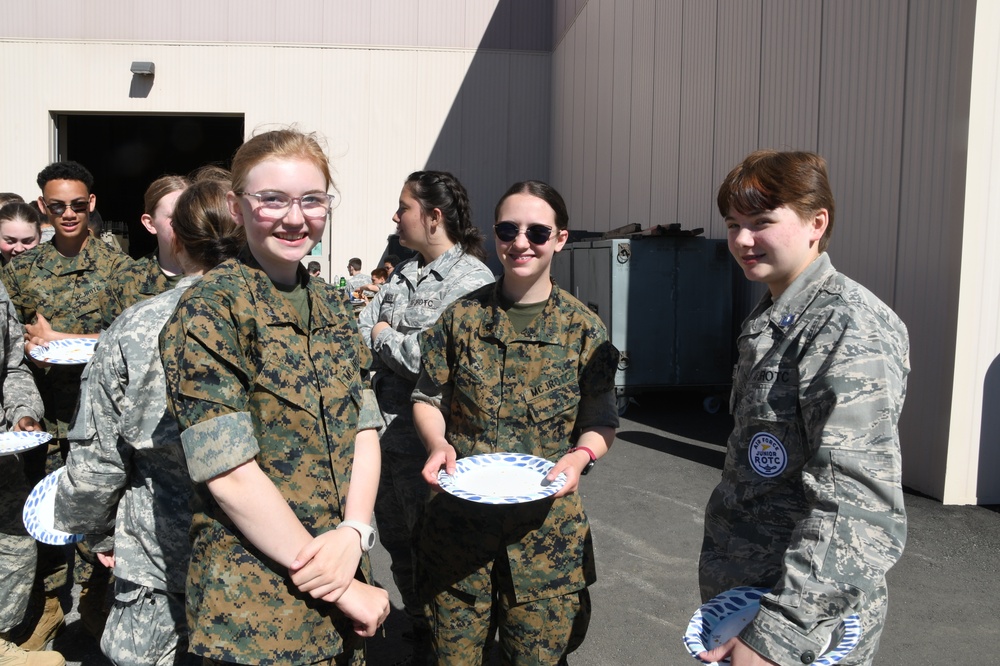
(127, 153)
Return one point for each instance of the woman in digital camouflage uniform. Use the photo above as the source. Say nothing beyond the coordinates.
(264, 370)
(810, 504)
(518, 366)
(126, 482)
(159, 270)
(434, 218)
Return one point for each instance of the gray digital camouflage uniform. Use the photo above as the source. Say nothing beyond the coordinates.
(410, 301)
(247, 381)
(531, 392)
(126, 473)
(18, 398)
(67, 291)
(143, 279)
(810, 504)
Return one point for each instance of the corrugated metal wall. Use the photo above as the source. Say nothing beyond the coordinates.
(879, 88)
(428, 84)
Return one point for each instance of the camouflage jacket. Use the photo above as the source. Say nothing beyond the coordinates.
(810, 504)
(67, 291)
(532, 393)
(410, 301)
(140, 281)
(18, 395)
(245, 381)
(18, 398)
(125, 471)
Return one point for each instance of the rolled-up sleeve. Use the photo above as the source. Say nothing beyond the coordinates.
(218, 445)
(208, 385)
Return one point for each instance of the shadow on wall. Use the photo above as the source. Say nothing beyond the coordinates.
(497, 130)
(988, 486)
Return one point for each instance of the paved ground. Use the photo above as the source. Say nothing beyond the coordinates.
(645, 501)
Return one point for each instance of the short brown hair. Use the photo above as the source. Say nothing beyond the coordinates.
(769, 179)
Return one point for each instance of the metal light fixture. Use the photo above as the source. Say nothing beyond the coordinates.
(143, 68)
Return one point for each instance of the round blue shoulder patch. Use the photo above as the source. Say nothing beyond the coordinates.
(767, 455)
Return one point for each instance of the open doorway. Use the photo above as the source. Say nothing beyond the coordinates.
(128, 152)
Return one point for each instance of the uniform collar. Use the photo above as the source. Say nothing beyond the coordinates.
(413, 272)
(545, 328)
(86, 259)
(787, 310)
(276, 309)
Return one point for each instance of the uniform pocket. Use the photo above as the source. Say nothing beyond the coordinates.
(473, 391)
(870, 525)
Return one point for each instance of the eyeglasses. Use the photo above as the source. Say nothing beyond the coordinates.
(275, 205)
(59, 207)
(538, 234)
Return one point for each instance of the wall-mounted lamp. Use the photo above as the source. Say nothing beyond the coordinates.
(142, 68)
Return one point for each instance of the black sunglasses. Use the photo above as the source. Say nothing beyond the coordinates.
(59, 207)
(538, 234)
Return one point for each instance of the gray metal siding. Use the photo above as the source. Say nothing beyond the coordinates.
(878, 88)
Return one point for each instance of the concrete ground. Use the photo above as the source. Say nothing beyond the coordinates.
(645, 501)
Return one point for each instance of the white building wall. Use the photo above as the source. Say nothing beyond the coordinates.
(974, 434)
(880, 89)
(439, 84)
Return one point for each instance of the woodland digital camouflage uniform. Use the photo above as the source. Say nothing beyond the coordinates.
(246, 380)
(18, 398)
(67, 291)
(810, 504)
(143, 279)
(125, 444)
(530, 392)
(410, 301)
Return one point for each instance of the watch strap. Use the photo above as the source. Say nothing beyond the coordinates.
(366, 531)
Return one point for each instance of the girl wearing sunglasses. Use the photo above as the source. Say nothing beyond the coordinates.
(520, 366)
(435, 220)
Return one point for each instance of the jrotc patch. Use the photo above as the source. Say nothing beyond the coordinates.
(767, 455)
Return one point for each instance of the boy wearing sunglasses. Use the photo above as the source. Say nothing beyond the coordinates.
(55, 289)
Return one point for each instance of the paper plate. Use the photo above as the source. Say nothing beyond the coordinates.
(72, 351)
(15, 442)
(725, 616)
(39, 513)
(501, 478)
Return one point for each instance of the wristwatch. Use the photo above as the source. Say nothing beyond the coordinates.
(593, 458)
(366, 531)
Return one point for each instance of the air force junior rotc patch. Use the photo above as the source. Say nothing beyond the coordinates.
(767, 455)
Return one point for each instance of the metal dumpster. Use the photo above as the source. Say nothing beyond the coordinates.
(667, 304)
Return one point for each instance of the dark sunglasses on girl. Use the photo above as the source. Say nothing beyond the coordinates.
(535, 233)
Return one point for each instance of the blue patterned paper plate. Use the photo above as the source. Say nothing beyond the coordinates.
(39, 513)
(15, 442)
(72, 351)
(723, 617)
(501, 478)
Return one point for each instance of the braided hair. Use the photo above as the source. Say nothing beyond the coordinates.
(441, 190)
